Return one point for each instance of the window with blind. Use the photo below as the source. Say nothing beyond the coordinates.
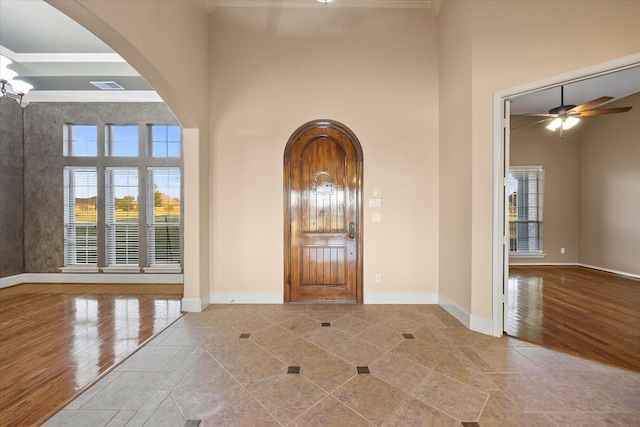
(163, 216)
(525, 210)
(121, 206)
(80, 216)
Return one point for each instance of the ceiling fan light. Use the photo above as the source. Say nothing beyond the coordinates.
(569, 122)
(555, 124)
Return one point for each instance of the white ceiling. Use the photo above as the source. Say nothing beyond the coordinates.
(60, 58)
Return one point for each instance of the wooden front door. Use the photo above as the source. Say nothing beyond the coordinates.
(323, 215)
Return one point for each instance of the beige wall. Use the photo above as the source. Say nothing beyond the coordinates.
(610, 189)
(378, 72)
(374, 70)
(455, 55)
(514, 43)
(536, 145)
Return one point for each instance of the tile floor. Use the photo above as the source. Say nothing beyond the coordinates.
(349, 365)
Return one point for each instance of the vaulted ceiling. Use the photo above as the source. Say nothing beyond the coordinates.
(61, 59)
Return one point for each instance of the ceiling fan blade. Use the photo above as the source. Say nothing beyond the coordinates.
(532, 123)
(604, 111)
(536, 115)
(591, 104)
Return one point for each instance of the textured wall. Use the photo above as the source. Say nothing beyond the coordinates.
(43, 165)
(11, 185)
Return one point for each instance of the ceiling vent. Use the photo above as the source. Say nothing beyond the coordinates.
(107, 85)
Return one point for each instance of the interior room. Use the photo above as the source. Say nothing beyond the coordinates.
(417, 89)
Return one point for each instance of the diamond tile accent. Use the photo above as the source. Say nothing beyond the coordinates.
(293, 370)
(363, 370)
(245, 335)
(408, 336)
(191, 423)
(326, 324)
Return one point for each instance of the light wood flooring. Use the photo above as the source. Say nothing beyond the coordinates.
(584, 311)
(56, 340)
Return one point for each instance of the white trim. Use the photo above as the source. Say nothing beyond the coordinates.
(576, 264)
(80, 269)
(163, 269)
(5, 282)
(483, 325)
(60, 57)
(513, 255)
(498, 159)
(393, 4)
(91, 96)
(608, 270)
(233, 297)
(193, 305)
(453, 309)
(135, 278)
(400, 298)
(120, 269)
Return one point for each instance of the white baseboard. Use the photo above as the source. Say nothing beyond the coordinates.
(193, 305)
(576, 264)
(608, 270)
(400, 298)
(481, 324)
(91, 278)
(268, 297)
(454, 310)
(5, 282)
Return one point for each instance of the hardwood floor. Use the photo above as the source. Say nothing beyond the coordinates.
(580, 310)
(56, 340)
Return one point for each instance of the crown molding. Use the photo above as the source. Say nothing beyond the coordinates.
(434, 5)
(91, 96)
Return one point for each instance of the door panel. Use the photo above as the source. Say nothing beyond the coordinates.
(323, 178)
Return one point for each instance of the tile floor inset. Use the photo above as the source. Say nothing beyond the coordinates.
(199, 369)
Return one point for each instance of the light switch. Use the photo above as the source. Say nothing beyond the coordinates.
(375, 203)
(376, 217)
(376, 193)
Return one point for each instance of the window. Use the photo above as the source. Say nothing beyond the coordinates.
(165, 141)
(80, 217)
(121, 200)
(80, 140)
(122, 141)
(525, 210)
(163, 216)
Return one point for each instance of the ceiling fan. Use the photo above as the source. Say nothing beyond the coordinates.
(566, 116)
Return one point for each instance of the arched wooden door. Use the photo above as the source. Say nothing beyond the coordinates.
(323, 214)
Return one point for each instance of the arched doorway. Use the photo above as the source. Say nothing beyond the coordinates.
(323, 232)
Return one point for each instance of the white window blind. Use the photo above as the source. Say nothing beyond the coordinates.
(80, 216)
(525, 209)
(163, 216)
(122, 230)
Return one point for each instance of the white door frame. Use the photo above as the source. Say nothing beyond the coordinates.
(501, 166)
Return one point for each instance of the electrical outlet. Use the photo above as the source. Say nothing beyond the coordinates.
(378, 277)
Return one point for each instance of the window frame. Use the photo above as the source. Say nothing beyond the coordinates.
(173, 260)
(532, 221)
(71, 224)
(113, 237)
